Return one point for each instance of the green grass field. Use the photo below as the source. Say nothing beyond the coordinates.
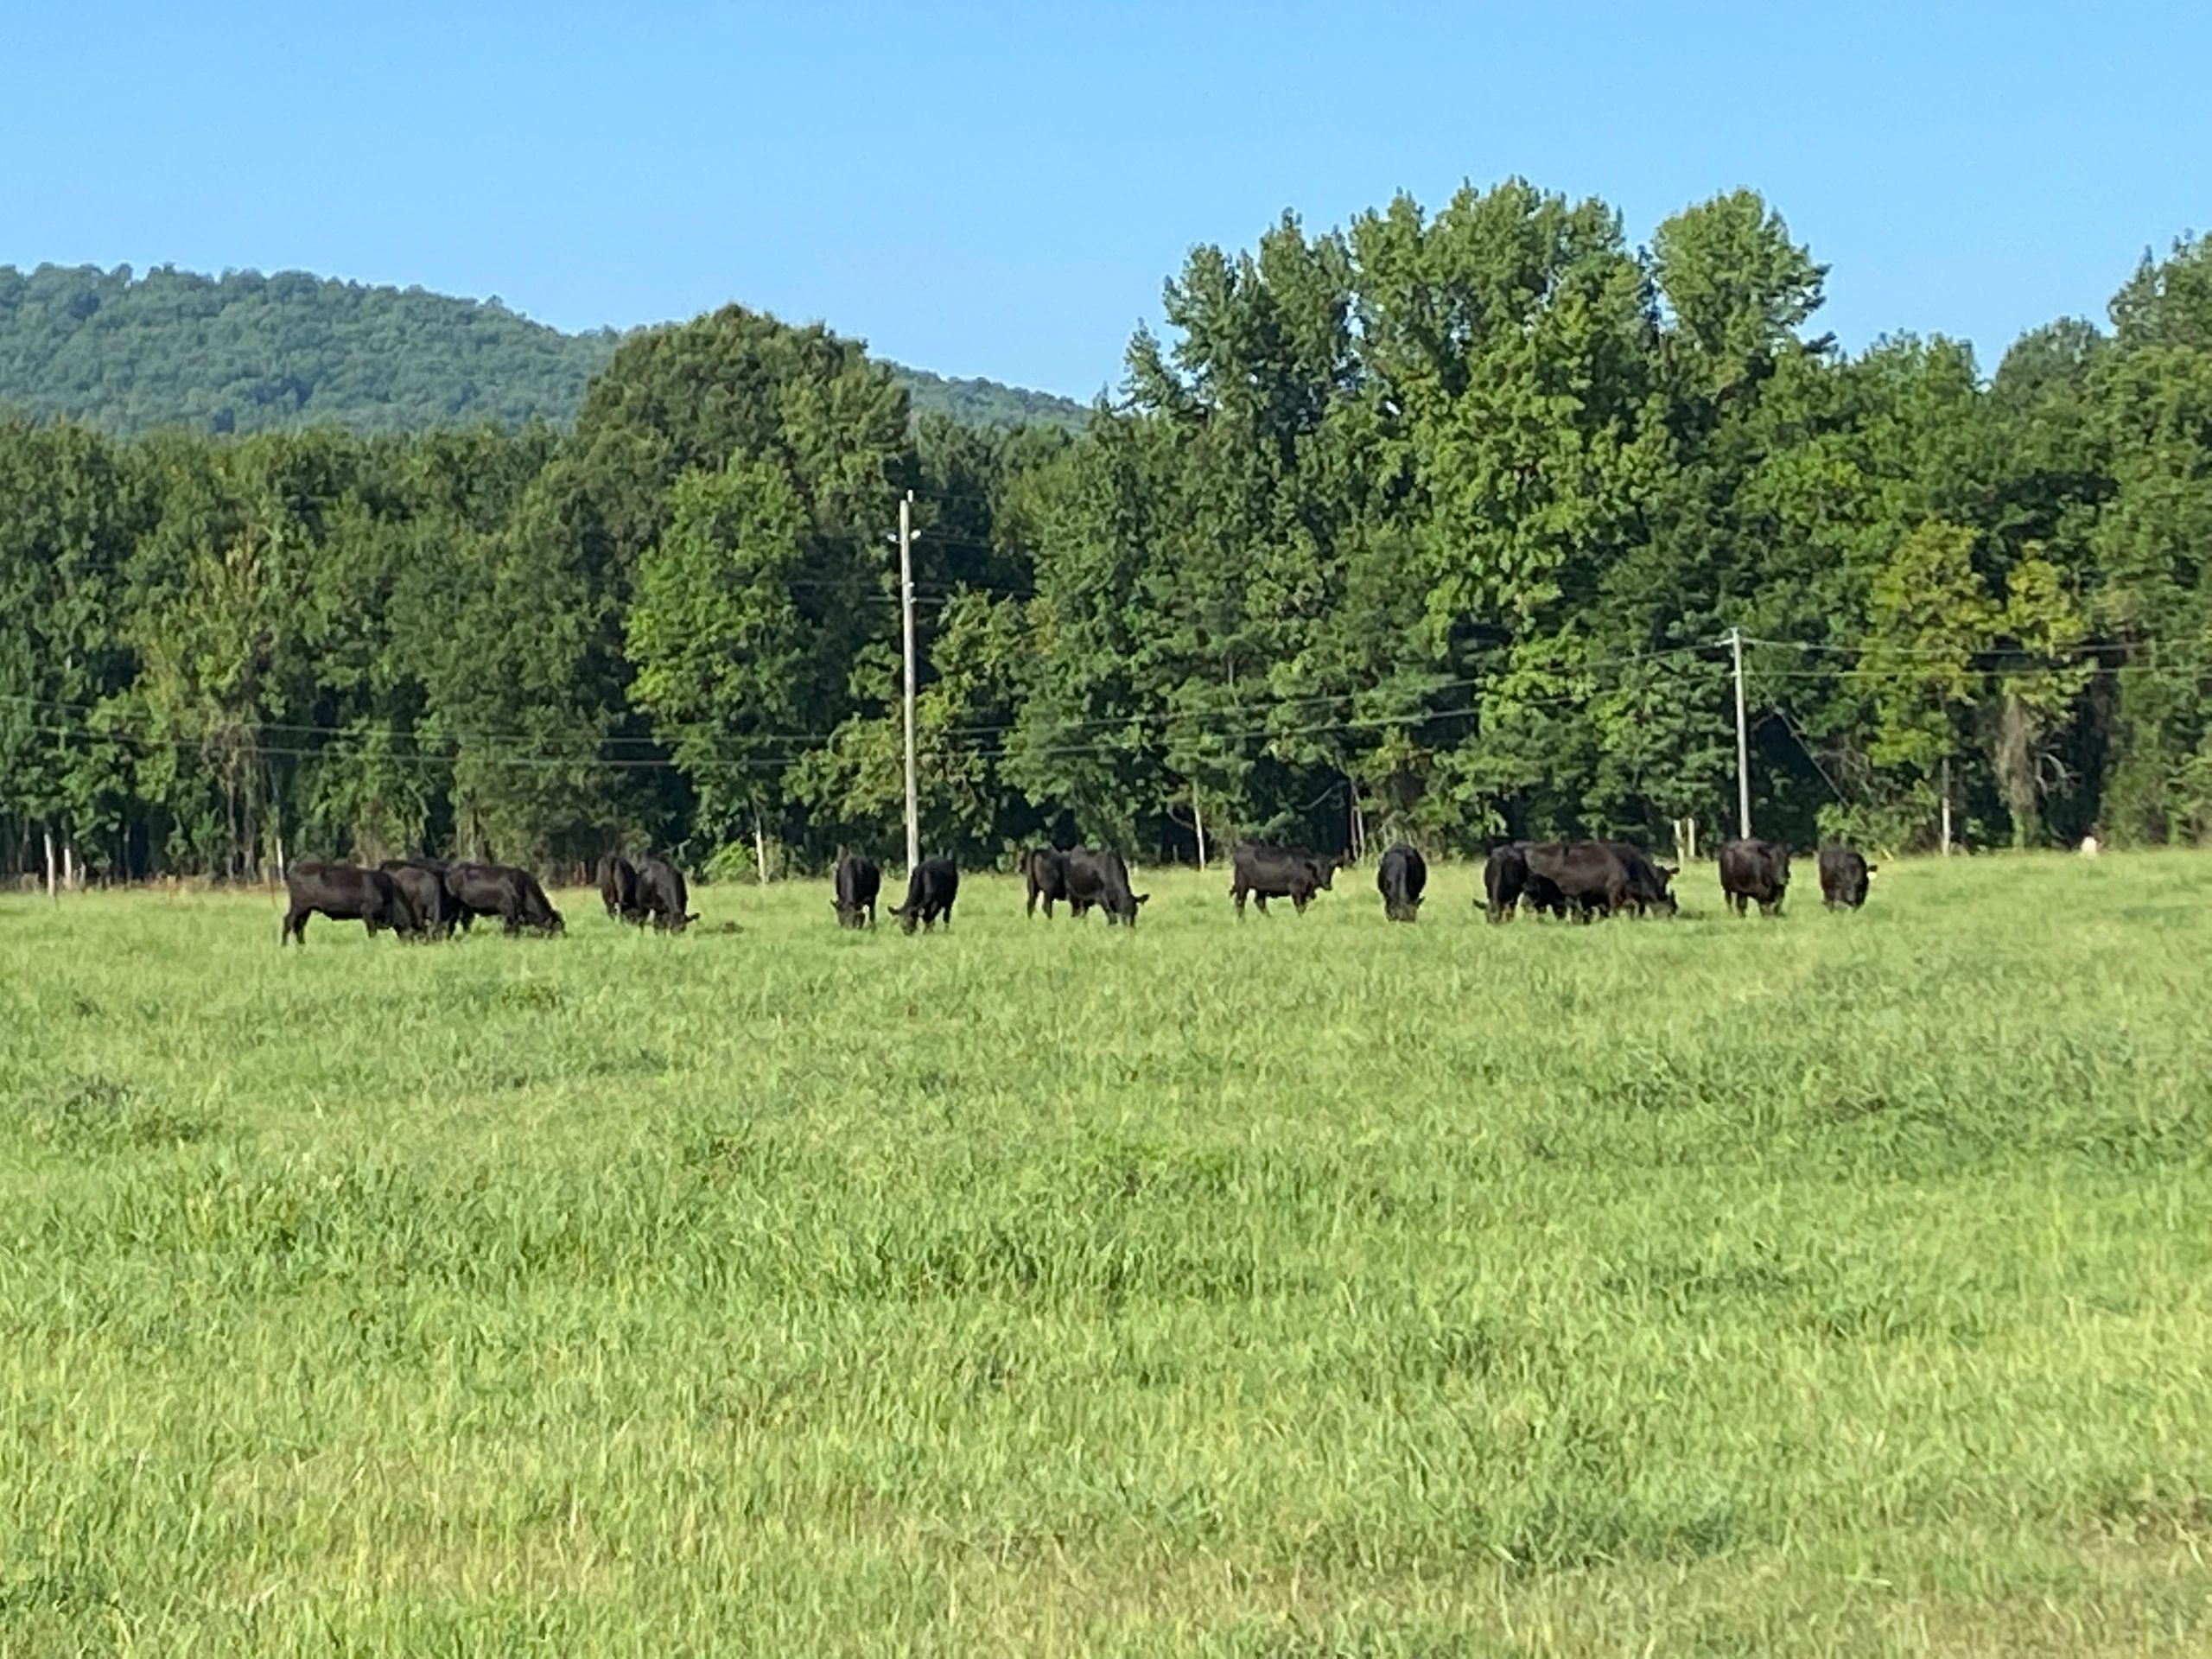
(1830, 1284)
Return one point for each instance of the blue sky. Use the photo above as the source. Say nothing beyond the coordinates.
(1002, 190)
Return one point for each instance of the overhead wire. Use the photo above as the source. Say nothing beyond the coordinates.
(1130, 732)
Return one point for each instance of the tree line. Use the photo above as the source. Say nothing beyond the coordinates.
(1430, 526)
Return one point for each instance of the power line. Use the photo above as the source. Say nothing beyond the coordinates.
(664, 735)
(774, 751)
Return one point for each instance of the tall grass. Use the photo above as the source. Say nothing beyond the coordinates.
(1837, 1283)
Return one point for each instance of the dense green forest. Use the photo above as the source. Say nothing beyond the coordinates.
(246, 353)
(1430, 526)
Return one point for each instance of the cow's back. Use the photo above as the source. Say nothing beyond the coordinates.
(1400, 877)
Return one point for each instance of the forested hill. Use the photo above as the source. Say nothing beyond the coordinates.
(245, 352)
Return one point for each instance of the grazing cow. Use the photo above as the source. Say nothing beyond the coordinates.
(1844, 871)
(618, 889)
(1506, 874)
(1400, 879)
(931, 888)
(512, 895)
(1586, 875)
(1508, 883)
(857, 882)
(1045, 869)
(1263, 872)
(1754, 871)
(1646, 881)
(662, 895)
(1097, 876)
(343, 893)
(423, 882)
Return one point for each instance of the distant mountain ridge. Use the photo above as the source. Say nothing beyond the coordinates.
(246, 352)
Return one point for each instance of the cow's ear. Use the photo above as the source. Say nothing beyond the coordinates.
(1143, 898)
(1670, 869)
(1870, 869)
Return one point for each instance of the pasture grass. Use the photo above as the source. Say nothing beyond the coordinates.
(1832, 1284)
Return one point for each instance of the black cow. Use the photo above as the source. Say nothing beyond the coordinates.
(1844, 871)
(1403, 874)
(1263, 872)
(1508, 883)
(662, 895)
(343, 893)
(1505, 874)
(512, 895)
(1646, 881)
(931, 888)
(1097, 876)
(1588, 875)
(1044, 870)
(618, 889)
(1754, 871)
(857, 882)
(423, 882)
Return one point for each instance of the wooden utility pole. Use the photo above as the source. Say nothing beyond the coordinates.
(1743, 741)
(1944, 832)
(906, 624)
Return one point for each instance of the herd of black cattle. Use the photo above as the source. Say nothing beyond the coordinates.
(429, 897)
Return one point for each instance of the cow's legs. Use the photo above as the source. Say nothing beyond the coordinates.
(295, 928)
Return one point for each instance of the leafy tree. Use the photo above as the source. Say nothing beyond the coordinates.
(728, 663)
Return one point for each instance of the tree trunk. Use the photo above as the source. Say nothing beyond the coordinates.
(71, 877)
(1198, 823)
(1944, 831)
(52, 890)
(759, 848)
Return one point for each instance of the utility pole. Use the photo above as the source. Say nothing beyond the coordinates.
(1743, 741)
(906, 621)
